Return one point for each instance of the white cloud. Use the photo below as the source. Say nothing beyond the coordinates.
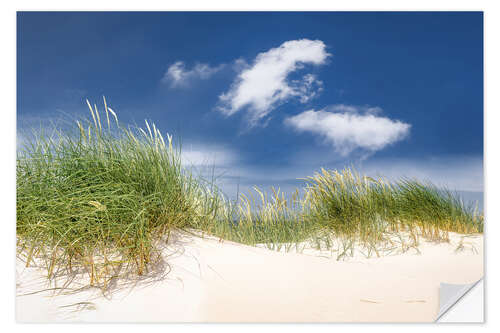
(178, 76)
(307, 88)
(207, 155)
(263, 86)
(349, 127)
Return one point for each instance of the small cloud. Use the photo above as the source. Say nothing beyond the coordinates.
(348, 127)
(307, 88)
(208, 155)
(178, 76)
(263, 86)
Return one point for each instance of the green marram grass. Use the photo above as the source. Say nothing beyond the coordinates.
(372, 211)
(100, 200)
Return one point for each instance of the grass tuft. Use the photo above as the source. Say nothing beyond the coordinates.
(100, 199)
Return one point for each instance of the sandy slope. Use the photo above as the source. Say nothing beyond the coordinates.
(211, 281)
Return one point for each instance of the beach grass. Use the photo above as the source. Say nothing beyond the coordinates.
(341, 210)
(372, 211)
(101, 199)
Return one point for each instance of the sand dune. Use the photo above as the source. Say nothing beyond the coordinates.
(210, 281)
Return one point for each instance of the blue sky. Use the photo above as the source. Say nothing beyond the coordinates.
(267, 98)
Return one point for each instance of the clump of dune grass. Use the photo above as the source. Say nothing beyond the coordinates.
(99, 199)
(373, 210)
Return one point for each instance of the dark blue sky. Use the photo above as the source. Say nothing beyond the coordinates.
(422, 69)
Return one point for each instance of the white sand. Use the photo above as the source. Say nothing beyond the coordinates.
(228, 282)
